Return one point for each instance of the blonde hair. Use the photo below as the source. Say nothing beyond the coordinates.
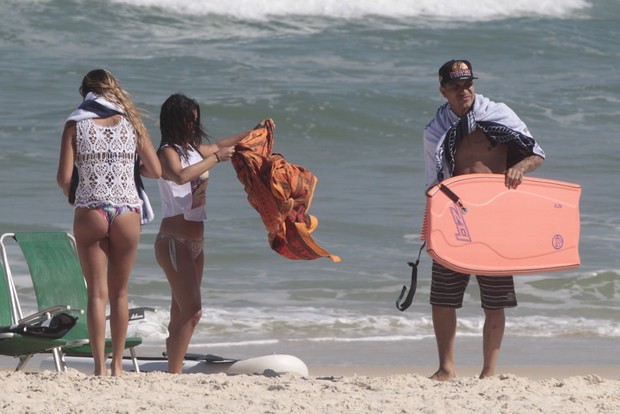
(101, 82)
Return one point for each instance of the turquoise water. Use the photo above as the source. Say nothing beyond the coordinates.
(350, 85)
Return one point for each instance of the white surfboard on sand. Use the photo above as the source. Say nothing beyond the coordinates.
(268, 365)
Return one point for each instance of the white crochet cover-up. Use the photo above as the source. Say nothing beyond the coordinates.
(105, 161)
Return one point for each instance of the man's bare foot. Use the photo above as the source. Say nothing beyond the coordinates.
(442, 375)
(487, 372)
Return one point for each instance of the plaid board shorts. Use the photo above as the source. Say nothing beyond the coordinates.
(448, 288)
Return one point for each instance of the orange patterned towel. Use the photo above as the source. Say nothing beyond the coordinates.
(281, 193)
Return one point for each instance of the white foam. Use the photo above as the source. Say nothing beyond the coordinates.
(352, 9)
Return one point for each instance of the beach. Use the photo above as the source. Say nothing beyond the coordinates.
(350, 85)
(326, 390)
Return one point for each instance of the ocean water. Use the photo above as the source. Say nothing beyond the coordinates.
(350, 85)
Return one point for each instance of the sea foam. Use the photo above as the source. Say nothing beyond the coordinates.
(478, 10)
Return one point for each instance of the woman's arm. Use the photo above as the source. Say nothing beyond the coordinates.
(172, 170)
(150, 166)
(212, 154)
(224, 148)
(67, 157)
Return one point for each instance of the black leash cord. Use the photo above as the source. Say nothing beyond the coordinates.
(414, 284)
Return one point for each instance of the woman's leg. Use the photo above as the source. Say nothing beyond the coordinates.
(124, 236)
(186, 305)
(90, 229)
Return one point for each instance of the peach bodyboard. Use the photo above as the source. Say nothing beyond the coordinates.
(493, 230)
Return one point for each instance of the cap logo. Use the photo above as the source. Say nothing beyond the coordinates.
(459, 69)
(454, 70)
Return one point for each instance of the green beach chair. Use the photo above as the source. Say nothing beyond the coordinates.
(16, 344)
(57, 278)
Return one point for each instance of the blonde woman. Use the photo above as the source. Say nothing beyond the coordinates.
(101, 138)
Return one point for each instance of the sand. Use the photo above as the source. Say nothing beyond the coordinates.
(566, 389)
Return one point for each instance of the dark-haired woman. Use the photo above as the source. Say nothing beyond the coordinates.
(186, 161)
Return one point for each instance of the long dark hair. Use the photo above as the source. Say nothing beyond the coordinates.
(179, 123)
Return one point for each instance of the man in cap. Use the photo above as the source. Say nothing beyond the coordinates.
(472, 134)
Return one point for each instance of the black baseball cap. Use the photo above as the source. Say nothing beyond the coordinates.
(454, 70)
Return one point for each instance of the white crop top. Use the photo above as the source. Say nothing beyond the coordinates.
(105, 157)
(189, 199)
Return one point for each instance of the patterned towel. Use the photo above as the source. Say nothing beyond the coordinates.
(281, 193)
(499, 123)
